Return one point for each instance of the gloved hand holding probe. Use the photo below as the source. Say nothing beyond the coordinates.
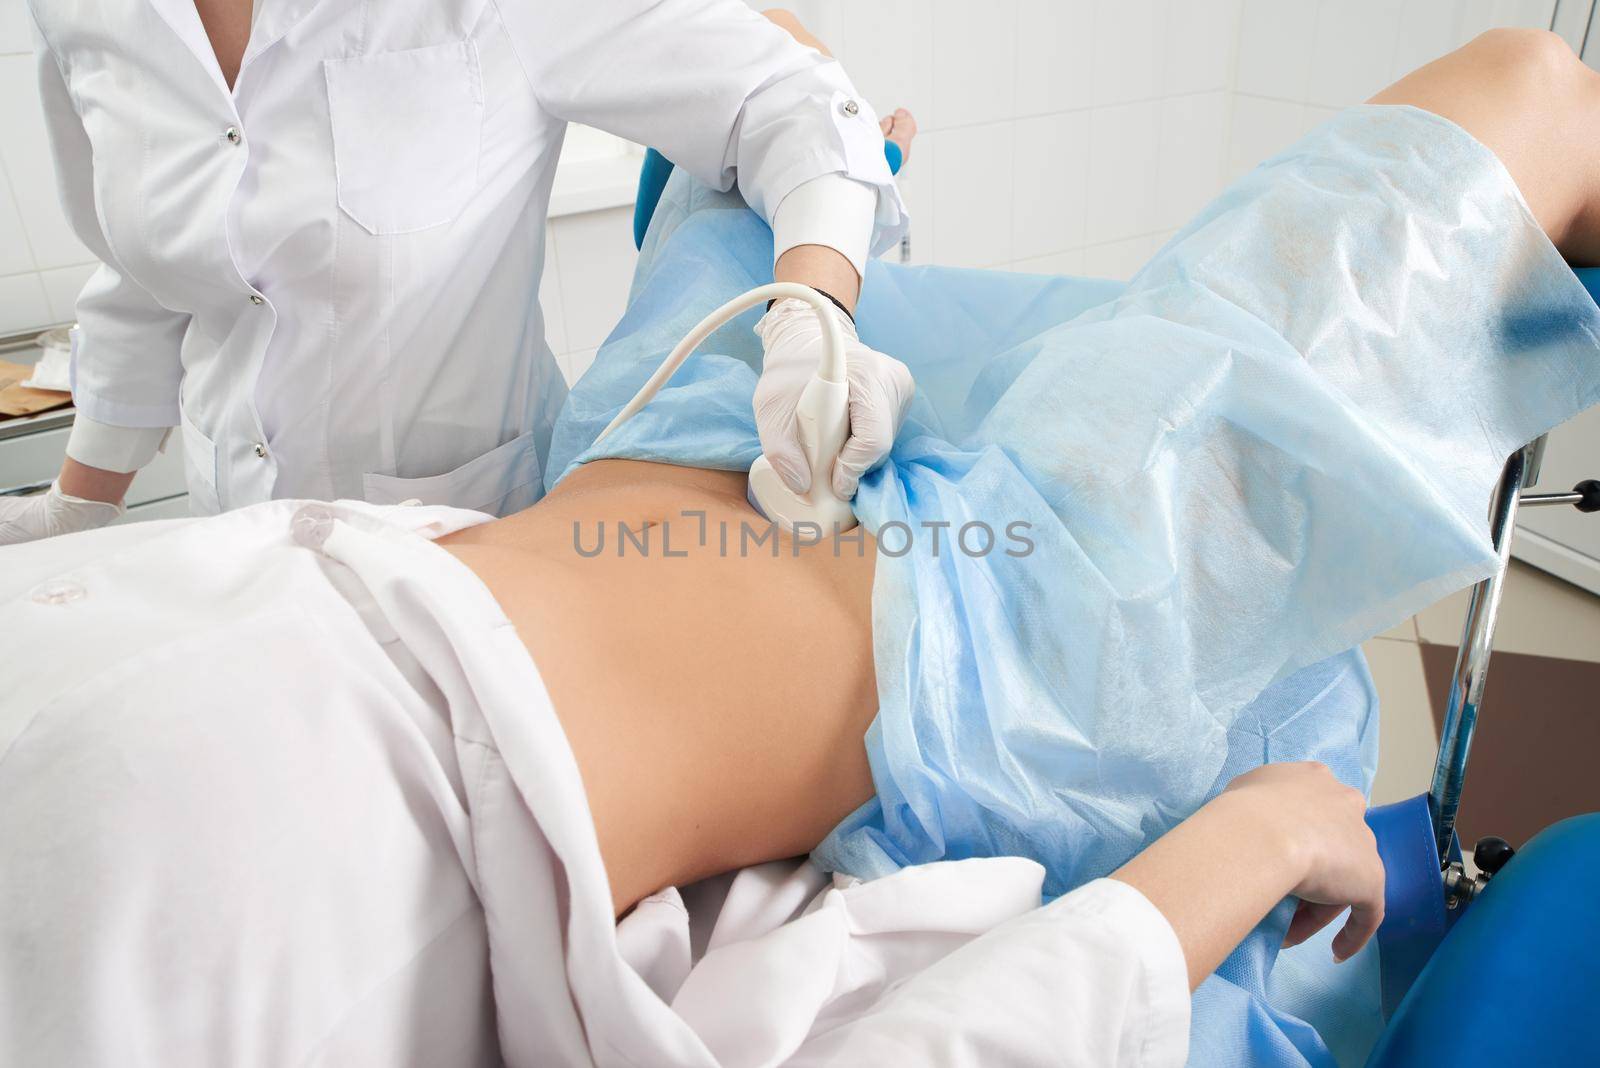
(880, 392)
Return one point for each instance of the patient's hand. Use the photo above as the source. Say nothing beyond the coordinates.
(1323, 827)
(1278, 830)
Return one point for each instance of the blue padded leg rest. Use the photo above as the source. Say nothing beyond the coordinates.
(1515, 981)
(1415, 920)
(653, 175)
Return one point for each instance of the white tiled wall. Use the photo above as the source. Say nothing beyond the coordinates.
(1301, 60)
(587, 270)
(1057, 135)
(42, 265)
(1060, 136)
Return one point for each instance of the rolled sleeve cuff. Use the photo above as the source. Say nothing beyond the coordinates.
(810, 125)
(861, 142)
(1161, 1031)
(831, 210)
(122, 449)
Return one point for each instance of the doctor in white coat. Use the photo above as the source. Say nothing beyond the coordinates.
(321, 227)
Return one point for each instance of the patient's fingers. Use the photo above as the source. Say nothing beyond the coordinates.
(1310, 918)
(1366, 899)
(1361, 926)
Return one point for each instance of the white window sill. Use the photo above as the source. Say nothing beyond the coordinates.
(595, 184)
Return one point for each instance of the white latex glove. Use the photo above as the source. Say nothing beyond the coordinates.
(880, 392)
(44, 515)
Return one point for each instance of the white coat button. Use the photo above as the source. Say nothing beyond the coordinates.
(232, 134)
(57, 592)
(850, 108)
(261, 449)
(257, 299)
(311, 526)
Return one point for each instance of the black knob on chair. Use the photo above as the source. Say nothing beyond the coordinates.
(1491, 854)
(1590, 488)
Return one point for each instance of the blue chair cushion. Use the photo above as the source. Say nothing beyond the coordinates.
(1515, 981)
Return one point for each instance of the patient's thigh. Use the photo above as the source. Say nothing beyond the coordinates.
(236, 848)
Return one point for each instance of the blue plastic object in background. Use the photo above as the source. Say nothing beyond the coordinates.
(1515, 981)
(653, 177)
(891, 152)
(1590, 277)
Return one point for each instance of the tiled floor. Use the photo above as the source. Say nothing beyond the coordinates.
(1539, 615)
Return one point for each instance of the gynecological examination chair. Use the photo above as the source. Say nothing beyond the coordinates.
(1496, 967)
(1492, 963)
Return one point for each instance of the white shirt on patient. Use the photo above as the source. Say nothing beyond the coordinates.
(314, 807)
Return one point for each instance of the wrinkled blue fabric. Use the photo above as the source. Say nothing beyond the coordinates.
(1277, 440)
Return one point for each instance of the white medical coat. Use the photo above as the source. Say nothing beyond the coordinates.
(328, 275)
(284, 787)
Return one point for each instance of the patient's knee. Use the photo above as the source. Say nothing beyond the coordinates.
(1536, 65)
(1526, 46)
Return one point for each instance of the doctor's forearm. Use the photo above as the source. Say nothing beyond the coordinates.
(102, 458)
(820, 267)
(822, 235)
(93, 483)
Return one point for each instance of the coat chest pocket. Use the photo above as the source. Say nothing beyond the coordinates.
(406, 129)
